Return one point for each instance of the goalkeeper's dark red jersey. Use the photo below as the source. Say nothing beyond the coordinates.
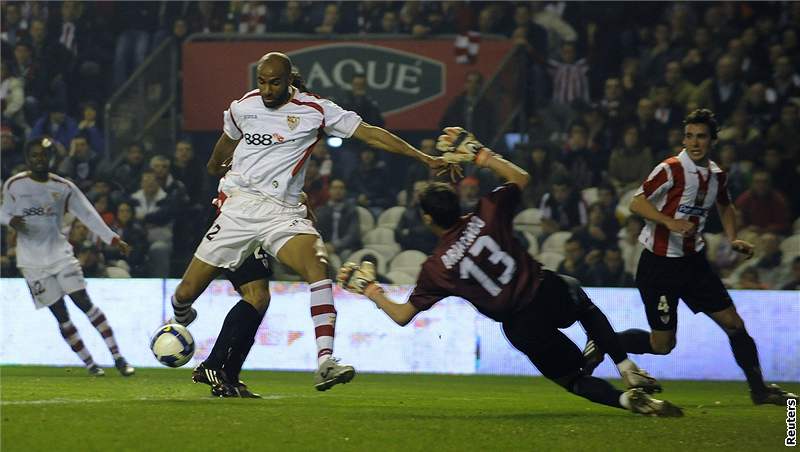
(481, 261)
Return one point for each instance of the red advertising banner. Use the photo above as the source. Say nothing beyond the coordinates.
(412, 81)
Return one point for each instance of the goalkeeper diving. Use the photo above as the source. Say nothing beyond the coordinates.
(478, 259)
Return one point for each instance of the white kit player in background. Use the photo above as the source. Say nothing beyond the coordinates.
(269, 133)
(34, 203)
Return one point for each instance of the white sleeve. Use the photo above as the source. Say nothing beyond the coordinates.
(7, 208)
(338, 121)
(78, 205)
(657, 183)
(230, 125)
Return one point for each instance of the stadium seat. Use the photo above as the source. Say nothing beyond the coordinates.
(590, 195)
(533, 243)
(116, 272)
(790, 247)
(399, 277)
(622, 210)
(387, 251)
(529, 220)
(358, 256)
(555, 242)
(365, 219)
(408, 261)
(391, 216)
(796, 226)
(381, 235)
(550, 260)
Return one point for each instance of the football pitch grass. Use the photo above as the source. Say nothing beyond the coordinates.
(54, 409)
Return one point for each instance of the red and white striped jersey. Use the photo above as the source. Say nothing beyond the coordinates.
(276, 142)
(680, 189)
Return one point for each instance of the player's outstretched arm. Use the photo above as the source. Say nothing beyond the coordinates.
(223, 152)
(360, 279)
(460, 146)
(380, 138)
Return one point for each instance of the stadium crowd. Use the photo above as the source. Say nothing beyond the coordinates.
(609, 85)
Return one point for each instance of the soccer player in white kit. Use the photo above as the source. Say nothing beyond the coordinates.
(270, 132)
(34, 203)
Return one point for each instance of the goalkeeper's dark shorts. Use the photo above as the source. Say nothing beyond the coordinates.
(254, 268)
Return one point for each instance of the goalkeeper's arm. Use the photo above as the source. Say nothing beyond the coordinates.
(503, 168)
(401, 313)
(459, 145)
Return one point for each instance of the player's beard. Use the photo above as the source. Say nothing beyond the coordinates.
(278, 101)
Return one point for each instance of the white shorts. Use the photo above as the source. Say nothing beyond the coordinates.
(48, 285)
(246, 222)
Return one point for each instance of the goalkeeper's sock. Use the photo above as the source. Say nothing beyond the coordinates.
(323, 314)
(746, 355)
(242, 339)
(597, 390)
(238, 314)
(635, 341)
(598, 329)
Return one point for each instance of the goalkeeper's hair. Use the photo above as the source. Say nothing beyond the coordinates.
(440, 201)
(703, 116)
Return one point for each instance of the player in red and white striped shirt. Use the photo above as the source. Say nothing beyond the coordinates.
(675, 200)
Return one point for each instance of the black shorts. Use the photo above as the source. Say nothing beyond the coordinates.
(254, 268)
(559, 302)
(663, 280)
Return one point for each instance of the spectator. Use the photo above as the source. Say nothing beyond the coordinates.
(723, 92)
(794, 279)
(738, 171)
(768, 265)
(607, 200)
(338, 222)
(12, 95)
(750, 280)
(129, 173)
(629, 242)
(8, 253)
(613, 107)
(584, 164)
(596, 234)
(332, 22)
(740, 132)
(389, 23)
(368, 184)
(470, 111)
(88, 125)
(652, 134)
(131, 231)
(251, 17)
(562, 209)
(758, 109)
(411, 232)
(763, 209)
(574, 263)
(154, 211)
(80, 165)
(12, 28)
(631, 163)
(316, 186)
(358, 101)
(668, 113)
(785, 174)
(175, 206)
(416, 171)
(56, 124)
(293, 19)
(569, 75)
(785, 84)
(610, 272)
(544, 170)
(785, 134)
(34, 77)
(11, 154)
(681, 89)
(189, 171)
(205, 17)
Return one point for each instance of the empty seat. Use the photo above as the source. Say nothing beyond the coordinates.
(790, 247)
(408, 261)
(550, 260)
(380, 235)
(391, 216)
(590, 195)
(365, 219)
(529, 220)
(399, 277)
(359, 255)
(555, 242)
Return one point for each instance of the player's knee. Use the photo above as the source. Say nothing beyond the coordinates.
(81, 300)
(186, 292)
(663, 347)
(259, 299)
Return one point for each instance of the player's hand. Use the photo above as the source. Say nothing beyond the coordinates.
(441, 166)
(356, 278)
(682, 227)
(17, 223)
(746, 248)
(121, 245)
(458, 145)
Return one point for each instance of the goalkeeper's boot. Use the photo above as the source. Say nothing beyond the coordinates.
(639, 378)
(238, 389)
(208, 376)
(125, 369)
(331, 373)
(592, 357)
(642, 403)
(96, 371)
(772, 395)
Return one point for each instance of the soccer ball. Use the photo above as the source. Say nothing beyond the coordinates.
(172, 345)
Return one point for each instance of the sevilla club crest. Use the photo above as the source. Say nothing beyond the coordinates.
(293, 122)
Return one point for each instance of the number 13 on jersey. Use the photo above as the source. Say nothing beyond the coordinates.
(468, 268)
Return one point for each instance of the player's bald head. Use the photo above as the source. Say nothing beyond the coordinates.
(276, 63)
